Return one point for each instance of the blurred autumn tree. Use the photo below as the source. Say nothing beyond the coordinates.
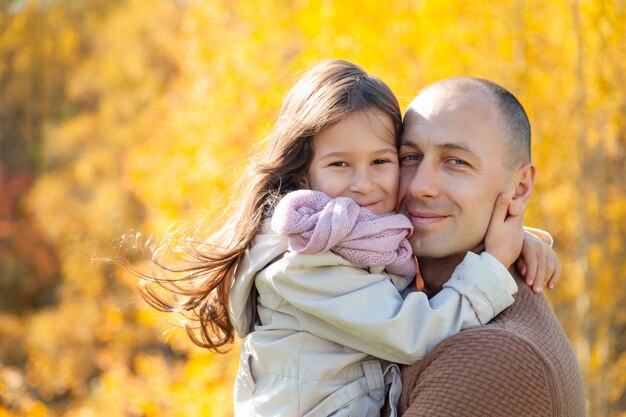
(82, 82)
(129, 114)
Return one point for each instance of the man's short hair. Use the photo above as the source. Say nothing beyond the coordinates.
(513, 114)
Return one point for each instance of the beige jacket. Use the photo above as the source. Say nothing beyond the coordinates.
(320, 334)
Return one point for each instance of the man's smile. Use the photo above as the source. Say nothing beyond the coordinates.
(424, 218)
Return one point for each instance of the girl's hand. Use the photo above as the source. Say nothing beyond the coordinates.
(505, 234)
(538, 263)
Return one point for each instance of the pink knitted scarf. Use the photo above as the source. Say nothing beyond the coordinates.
(313, 222)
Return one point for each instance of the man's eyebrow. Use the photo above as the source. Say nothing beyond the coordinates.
(408, 143)
(459, 146)
(456, 146)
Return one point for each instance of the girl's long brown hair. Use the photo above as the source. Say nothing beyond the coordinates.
(198, 283)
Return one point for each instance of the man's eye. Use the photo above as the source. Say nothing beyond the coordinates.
(410, 159)
(457, 162)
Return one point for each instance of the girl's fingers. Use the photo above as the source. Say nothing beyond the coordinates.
(500, 209)
(540, 275)
(521, 266)
(550, 268)
(556, 275)
(549, 273)
(531, 269)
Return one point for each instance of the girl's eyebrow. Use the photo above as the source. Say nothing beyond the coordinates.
(334, 155)
(344, 154)
(387, 150)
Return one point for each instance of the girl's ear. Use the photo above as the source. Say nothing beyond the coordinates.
(524, 185)
(303, 182)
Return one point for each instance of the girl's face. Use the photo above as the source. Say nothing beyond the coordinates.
(357, 158)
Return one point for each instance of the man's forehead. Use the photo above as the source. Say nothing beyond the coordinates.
(453, 120)
(445, 98)
(455, 108)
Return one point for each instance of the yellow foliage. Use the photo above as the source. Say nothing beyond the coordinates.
(162, 104)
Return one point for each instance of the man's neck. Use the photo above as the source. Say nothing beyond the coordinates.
(437, 271)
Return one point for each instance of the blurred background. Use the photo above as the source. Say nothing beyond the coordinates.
(121, 116)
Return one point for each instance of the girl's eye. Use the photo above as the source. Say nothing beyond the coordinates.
(379, 161)
(338, 164)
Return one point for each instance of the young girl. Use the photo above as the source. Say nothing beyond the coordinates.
(309, 269)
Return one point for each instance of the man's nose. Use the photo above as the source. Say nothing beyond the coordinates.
(425, 182)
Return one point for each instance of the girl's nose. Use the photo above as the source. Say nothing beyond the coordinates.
(362, 182)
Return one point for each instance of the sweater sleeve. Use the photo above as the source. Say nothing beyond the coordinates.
(366, 312)
(479, 372)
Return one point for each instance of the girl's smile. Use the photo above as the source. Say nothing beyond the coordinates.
(357, 158)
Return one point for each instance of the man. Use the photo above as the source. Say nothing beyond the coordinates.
(465, 141)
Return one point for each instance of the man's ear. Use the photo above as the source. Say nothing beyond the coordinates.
(524, 184)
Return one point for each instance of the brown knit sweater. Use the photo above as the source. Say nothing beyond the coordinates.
(520, 364)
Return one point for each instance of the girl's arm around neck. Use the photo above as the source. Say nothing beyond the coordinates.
(350, 306)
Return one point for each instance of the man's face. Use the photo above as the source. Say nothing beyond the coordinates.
(452, 170)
